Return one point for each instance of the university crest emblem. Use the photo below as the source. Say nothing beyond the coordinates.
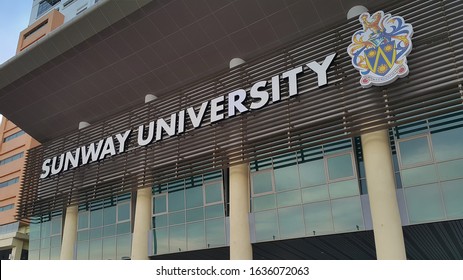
(380, 50)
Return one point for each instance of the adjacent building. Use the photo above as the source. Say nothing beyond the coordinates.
(241, 130)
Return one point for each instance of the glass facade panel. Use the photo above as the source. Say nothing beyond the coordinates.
(262, 182)
(344, 189)
(264, 202)
(96, 250)
(109, 230)
(160, 221)
(313, 194)
(447, 144)
(55, 253)
(291, 222)
(214, 211)
(312, 173)
(160, 204)
(347, 214)
(266, 225)
(424, 203)
(82, 235)
(340, 167)
(123, 228)
(196, 237)
(109, 248)
(419, 175)
(161, 241)
(288, 198)
(56, 226)
(213, 193)
(414, 151)
(109, 215)
(96, 233)
(453, 198)
(177, 218)
(194, 197)
(195, 214)
(124, 244)
(215, 232)
(176, 200)
(177, 239)
(318, 219)
(123, 212)
(96, 218)
(286, 178)
(450, 170)
(82, 250)
(82, 220)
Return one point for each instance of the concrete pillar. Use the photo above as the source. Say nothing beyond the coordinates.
(240, 239)
(69, 233)
(387, 226)
(142, 225)
(17, 249)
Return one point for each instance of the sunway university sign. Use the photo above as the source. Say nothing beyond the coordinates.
(220, 108)
(379, 51)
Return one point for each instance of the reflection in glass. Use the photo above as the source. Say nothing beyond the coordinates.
(291, 222)
(34, 231)
(176, 200)
(96, 233)
(177, 218)
(414, 151)
(45, 243)
(318, 219)
(340, 167)
(424, 203)
(55, 253)
(82, 235)
(160, 204)
(213, 193)
(194, 197)
(45, 229)
(161, 241)
(123, 228)
(347, 214)
(289, 198)
(453, 198)
(160, 221)
(177, 239)
(109, 230)
(313, 194)
(123, 212)
(83, 220)
(109, 248)
(447, 144)
(266, 225)
(263, 202)
(344, 188)
(124, 244)
(214, 211)
(286, 178)
(262, 182)
(96, 218)
(195, 214)
(56, 226)
(215, 232)
(95, 252)
(45, 254)
(109, 215)
(196, 238)
(34, 254)
(419, 175)
(450, 170)
(82, 250)
(312, 173)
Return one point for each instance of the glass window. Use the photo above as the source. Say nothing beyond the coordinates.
(286, 178)
(45, 229)
(266, 225)
(13, 136)
(414, 151)
(96, 233)
(196, 237)
(340, 167)
(95, 251)
(262, 182)
(318, 219)
(419, 175)
(82, 250)
(347, 214)
(124, 246)
(109, 230)
(424, 203)
(83, 220)
(264, 202)
(177, 239)
(55, 253)
(289, 198)
(109, 248)
(177, 218)
(214, 211)
(291, 222)
(213, 193)
(344, 188)
(450, 170)
(160, 204)
(161, 241)
(196, 214)
(82, 235)
(56, 226)
(312, 173)
(447, 144)
(194, 197)
(96, 218)
(313, 194)
(453, 198)
(109, 215)
(123, 212)
(9, 182)
(215, 232)
(45, 6)
(176, 200)
(123, 228)
(160, 221)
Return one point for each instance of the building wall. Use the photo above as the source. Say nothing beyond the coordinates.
(13, 169)
(68, 8)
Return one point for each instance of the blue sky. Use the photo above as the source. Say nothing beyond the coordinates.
(14, 17)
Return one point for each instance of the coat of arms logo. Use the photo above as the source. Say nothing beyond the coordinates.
(380, 50)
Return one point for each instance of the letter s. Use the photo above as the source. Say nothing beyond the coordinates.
(45, 169)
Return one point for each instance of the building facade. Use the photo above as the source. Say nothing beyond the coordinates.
(282, 155)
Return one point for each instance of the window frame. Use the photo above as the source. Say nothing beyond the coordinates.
(426, 135)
